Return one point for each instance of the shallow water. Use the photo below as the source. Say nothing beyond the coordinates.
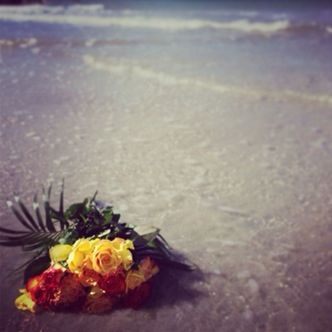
(217, 132)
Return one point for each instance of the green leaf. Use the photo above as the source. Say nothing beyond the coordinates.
(115, 218)
(104, 234)
(36, 267)
(107, 215)
(148, 233)
(69, 237)
(76, 209)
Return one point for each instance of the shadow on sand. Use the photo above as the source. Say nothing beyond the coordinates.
(172, 287)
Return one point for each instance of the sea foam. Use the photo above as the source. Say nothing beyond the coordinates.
(96, 16)
(118, 67)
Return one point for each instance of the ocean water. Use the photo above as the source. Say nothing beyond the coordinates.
(210, 120)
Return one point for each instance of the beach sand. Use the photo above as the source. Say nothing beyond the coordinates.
(222, 137)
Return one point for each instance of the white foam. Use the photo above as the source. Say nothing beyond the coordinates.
(249, 13)
(90, 42)
(76, 15)
(23, 43)
(86, 9)
(329, 29)
(29, 42)
(116, 67)
(6, 42)
(42, 9)
(31, 10)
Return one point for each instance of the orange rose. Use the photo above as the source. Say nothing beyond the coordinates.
(148, 268)
(134, 279)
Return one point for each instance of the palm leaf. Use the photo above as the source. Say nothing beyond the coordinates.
(18, 270)
(49, 223)
(61, 209)
(90, 218)
(94, 196)
(37, 212)
(161, 240)
(11, 231)
(27, 214)
(39, 233)
(42, 244)
(36, 267)
(19, 217)
(61, 214)
(20, 267)
(28, 239)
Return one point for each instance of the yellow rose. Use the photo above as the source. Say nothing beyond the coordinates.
(134, 279)
(60, 252)
(80, 254)
(122, 247)
(24, 302)
(104, 257)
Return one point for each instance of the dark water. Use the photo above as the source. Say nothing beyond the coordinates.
(210, 120)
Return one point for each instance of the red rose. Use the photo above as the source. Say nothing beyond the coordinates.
(32, 285)
(56, 289)
(136, 297)
(88, 277)
(113, 283)
(44, 288)
(70, 293)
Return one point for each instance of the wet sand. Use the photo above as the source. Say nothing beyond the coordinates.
(233, 164)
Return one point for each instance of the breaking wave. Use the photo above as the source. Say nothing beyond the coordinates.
(97, 16)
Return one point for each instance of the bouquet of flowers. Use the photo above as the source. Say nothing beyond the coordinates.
(84, 258)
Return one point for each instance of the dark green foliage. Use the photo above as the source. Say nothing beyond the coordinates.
(89, 219)
(36, 267)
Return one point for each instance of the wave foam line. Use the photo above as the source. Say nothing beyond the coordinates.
(42, 9)
(160, 23)
(169, 80)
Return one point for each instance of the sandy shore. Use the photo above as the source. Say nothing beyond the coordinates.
(234, 164)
